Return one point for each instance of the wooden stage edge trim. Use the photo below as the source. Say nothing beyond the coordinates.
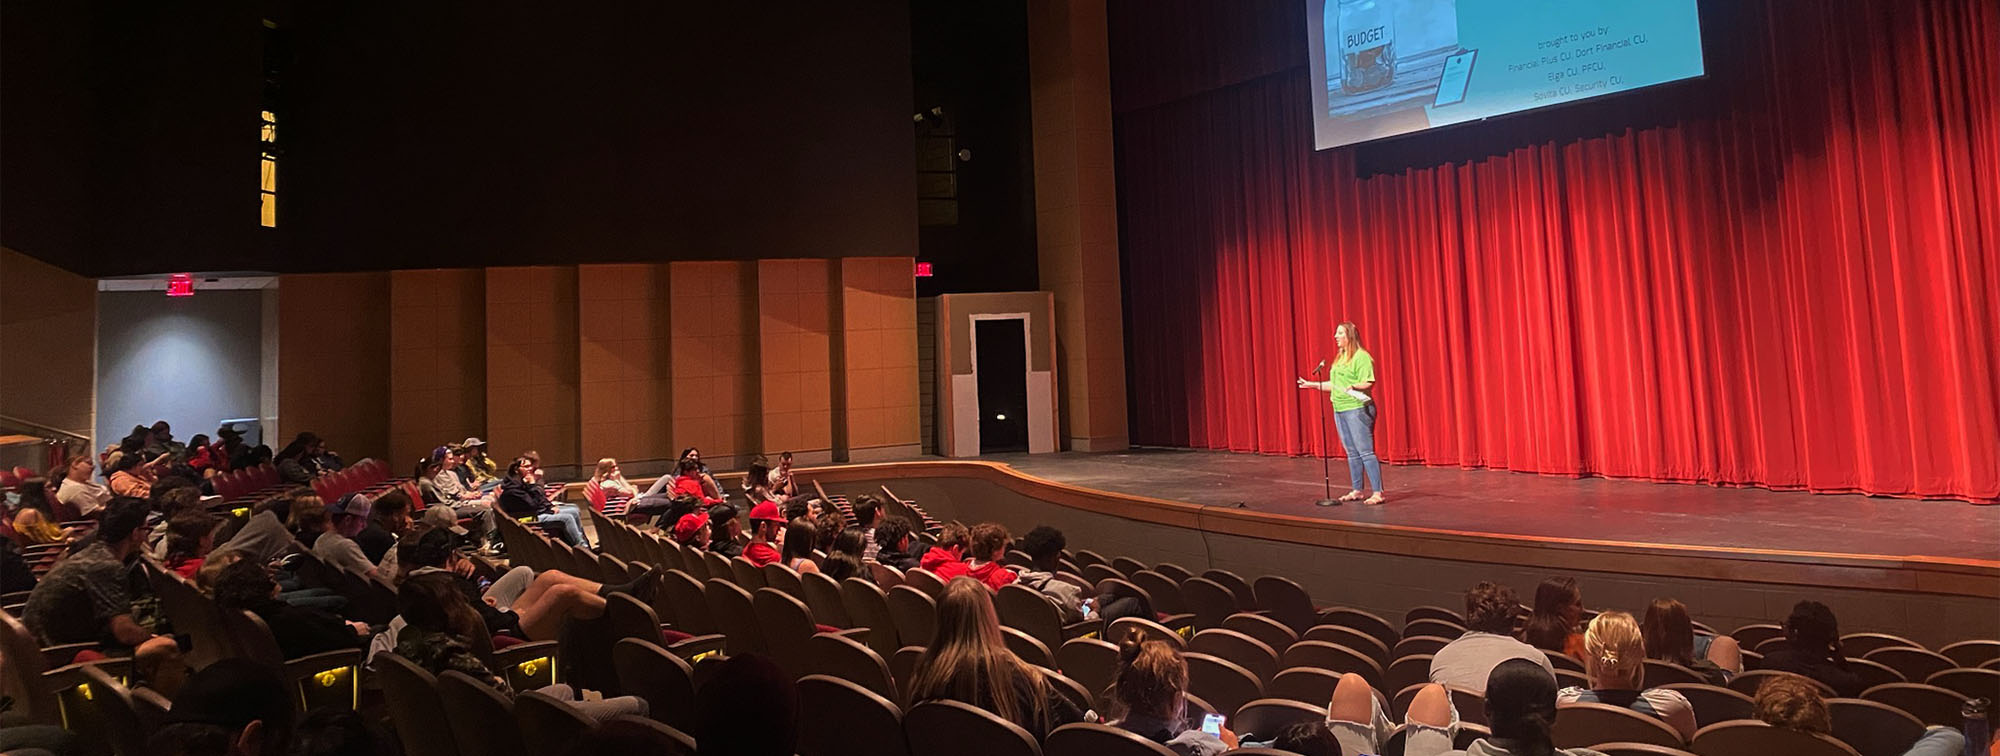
(1977, 578)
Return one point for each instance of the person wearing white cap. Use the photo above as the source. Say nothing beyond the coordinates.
(336, 547)
(485, 472)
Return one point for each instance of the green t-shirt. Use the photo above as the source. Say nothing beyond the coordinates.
(1359, 369)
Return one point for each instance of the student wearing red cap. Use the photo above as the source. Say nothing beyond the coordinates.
(692, 530)
(766, 521)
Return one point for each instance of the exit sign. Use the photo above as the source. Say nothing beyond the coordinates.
(923, 270)
(180, 285)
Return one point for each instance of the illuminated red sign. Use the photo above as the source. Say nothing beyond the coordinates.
(180, 285)
(923, 270)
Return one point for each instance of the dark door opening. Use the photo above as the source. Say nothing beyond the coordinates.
(1002, 364)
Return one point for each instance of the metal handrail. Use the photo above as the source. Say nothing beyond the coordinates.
(49, 431)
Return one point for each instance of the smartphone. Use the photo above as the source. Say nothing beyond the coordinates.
(1212, 724)
(1457, 76)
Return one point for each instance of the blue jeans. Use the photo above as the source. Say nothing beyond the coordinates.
(1938, 741)
(572, 526)
(1357, 436)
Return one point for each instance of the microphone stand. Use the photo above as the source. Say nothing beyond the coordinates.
(1325, 464)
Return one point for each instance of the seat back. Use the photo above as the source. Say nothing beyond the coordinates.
(1069, 688)
(1929, 703)
(868, 607)
(848, 719)
(1028, 648)
(1668, 673)
(1913, 663)
(1092, 739)
(885, 576)
(961, 729)
(195, 615)
(1024, 609)
(1971, 683)
(625, 616)
(309, 688)
(1123, 627)
(787, 624)
(839, 656)
(1165, 592)
(903, 667)
(1305, 685)
(414, 706)
(1366, 622)
(1638, 749)
(666, 683)
(1127, 566)
(1419, 645)
(914, 613)
(746, 574)
(1089, 661)
(1970, 654)
(1286, 602)
(1224, 684)
(1334, 657)
(674, 741)
(1582, 725)
(1210, 601)
(822, 595)
(1268, 631)
(1874, 729)
(1753, 738)
(735, 617)
(1748, 682)
(1407, 671)
(690, 602)
(1367, 645)
(1242, 650)
(1435, 627)
(1433, 612)
(1264, 718)
(1714, 703)
(1750, 636)
(481, 719)
(718, 566)
(1874, 673)
(21, 674)
(548, 725)
(114, 713)
(1246, 595)
(1859, 644)
(784, 579)
(924, 580)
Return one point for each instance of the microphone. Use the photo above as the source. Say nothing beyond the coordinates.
(1322, 367)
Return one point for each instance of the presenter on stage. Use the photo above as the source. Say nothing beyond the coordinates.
(1347, 385)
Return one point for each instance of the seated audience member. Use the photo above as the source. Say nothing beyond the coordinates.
(254, 456)
(442, 632)
(709, 485)
(1812, 648)
(450, 487)
(1044, 547)
(1793, 704)
(1670, 637)
(967, 660)
(1558, 611)
(88, 598)
(521, 497)
(160, 440)
(946, 558)
(826, 529)
(234, 707)
(300, 631)
(190, 536)
(388, 520)
(1360, 725)
(759, 483)
(132, 476)
(849, 541)
(1614, 657)
(201, 456)
(798, 547)
(265, 537)
(688, 480)
(988, 547)
(867, 511)
(786, 486)
(307, 519)
(1149, 695)
(841, 565)
(1520, 710)
(1307, 739)
(485, 471)
(810, 508)
(336, 547)
(692, 531)
(522, 601)
(748, 707)
(895, 544)
(1489, 622)
(35, 521)
(726, 537)
(15, 572)
(333, 731)
(765, 526)
(425, 473)
(172, 497)
(78, 491)
(303, 459)
(612, 480)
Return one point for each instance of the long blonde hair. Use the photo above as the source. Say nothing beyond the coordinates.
(1614, 654)
(1353, 341)
(604, 468)
(968, 661)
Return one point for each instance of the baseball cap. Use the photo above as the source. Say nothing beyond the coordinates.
(443, 518)
(438, 454)
(356, 504)
(767, 511)
(232, 693)
(720, 515)
(689, 524)
(472, 441)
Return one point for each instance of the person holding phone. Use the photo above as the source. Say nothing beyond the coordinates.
(1349, 387)
(1149, 697)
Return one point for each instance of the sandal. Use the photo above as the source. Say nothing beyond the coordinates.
(1376, 500)
(1351, 496)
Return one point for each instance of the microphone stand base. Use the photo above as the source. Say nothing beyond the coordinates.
(1327, 503)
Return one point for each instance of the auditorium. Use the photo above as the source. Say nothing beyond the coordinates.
(1003, 378)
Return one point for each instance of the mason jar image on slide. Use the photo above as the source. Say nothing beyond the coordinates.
(1386, 55)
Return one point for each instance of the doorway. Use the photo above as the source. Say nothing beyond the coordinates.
(1000, 365)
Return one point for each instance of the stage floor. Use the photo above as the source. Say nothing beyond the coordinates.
(1544, 506)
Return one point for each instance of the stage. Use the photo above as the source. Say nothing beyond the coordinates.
(1504, 503)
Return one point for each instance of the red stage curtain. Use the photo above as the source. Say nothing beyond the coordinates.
(1783, 275)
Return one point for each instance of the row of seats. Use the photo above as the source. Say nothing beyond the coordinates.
(370, 476)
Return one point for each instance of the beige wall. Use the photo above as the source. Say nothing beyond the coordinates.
(795, 348)
(624, 364)
(878, 311)
(715, 387)
(531, 362)
(333, 361)
(437, 352)
(48, 337)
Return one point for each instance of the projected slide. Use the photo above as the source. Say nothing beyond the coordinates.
(1388, 67)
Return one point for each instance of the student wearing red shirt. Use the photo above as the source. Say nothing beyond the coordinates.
(945, 559)
(989, 546)
(766, 522)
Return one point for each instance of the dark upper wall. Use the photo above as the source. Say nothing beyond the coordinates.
(453, 134)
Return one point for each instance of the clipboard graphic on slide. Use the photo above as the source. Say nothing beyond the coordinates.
(1457, 75)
